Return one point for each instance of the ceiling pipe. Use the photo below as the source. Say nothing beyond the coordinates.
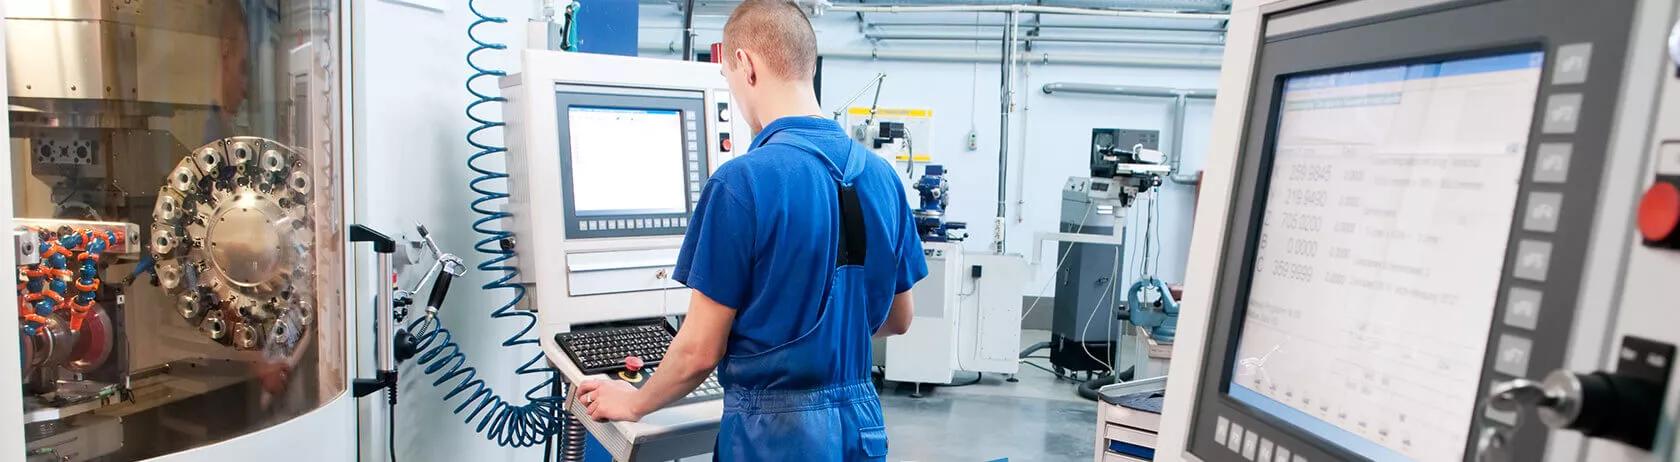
(1030, 9)
(1158, 5)
(1181, 101)
(1213, 6)
(1084, 59)
(1127, 90)
(1123, 28)
(1168, 41)
(1091, 59)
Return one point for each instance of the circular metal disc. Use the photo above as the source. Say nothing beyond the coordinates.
(244, 244)
(228, 250)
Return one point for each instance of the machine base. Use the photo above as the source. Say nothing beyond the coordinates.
(1070, 355)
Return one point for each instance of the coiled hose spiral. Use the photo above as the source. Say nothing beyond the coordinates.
(540, 418)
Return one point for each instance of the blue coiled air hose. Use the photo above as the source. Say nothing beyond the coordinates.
(540, 418)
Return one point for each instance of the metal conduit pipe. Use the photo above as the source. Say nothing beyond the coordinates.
(1180, 111)
(672, 48)
(1052, 26)
(1011, 34)
(1181, 101)
(1211, 62)
(1211, 41)
(1127, 90)
(688, 31)
(1213, 6)
(1032, 9)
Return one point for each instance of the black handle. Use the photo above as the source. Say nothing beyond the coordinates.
(381, 242)
(440, 289)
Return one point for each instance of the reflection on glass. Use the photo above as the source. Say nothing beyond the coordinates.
(176, 197)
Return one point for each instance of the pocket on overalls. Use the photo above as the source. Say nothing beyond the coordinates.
(873, 441)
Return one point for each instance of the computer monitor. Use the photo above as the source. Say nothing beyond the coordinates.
(632, 160)
(612, 145)
(1413, 206)
(1385, 226)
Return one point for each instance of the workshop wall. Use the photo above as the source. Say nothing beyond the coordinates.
(412, 168)
(1051, 133)
(1051, 137)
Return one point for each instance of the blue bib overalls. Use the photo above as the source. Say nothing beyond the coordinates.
(812, 398)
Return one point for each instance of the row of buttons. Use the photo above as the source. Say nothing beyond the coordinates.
(723, 125)
(1251, 445)
(637, 223)
(1541, 214)
(694, 180)
(694, 170)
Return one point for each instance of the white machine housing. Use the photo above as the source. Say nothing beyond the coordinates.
(577, 280)
(962, 323)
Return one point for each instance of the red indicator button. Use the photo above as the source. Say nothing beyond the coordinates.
(1659, 212)
(727, 145)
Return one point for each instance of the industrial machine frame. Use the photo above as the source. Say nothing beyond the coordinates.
(1603, 288)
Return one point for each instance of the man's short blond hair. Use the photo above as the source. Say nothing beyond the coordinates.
(777, 32)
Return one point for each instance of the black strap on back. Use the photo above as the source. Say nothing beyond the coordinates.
(854, 241)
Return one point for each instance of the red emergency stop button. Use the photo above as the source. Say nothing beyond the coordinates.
(633, 363)
(1659, 213)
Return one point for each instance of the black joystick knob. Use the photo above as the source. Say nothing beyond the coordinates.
(405, 346)
(1614, 406)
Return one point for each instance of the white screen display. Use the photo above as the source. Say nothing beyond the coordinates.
(626, 161)
(1380, 251)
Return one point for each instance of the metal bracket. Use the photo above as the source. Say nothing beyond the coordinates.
(26, 244)
(1039, 238)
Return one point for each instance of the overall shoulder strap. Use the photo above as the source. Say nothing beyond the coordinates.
(856, 159)
(854, 239)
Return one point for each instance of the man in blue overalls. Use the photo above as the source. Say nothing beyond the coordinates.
(797, 253)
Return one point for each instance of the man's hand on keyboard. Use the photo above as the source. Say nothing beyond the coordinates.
(611, 400)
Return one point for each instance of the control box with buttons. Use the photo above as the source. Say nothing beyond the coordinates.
(605, 168)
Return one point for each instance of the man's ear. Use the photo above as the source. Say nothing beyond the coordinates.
(745, 60)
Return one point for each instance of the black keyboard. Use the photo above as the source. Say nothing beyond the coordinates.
(603, 349)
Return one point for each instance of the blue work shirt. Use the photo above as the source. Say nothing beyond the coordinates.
(762, 239)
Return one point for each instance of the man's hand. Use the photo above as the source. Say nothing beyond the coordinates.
(611, 400)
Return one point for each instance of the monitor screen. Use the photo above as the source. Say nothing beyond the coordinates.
(626, 161)
(1380, 249)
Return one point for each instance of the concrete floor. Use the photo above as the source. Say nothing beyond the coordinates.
(1037, 419)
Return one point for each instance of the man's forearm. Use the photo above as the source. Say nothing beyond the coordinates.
(680, 373)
